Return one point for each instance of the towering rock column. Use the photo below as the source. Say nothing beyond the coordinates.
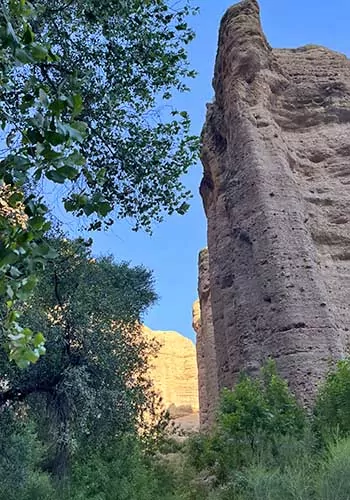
(206, 352)
(276, 192)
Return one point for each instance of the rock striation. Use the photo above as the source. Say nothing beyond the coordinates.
(206, 350)
(174, 371)
(276, 193)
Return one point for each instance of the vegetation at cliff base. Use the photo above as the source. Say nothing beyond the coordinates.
(78, 432)
(265, 446)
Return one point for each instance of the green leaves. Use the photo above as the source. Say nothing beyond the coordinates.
(28, 34)
(11, 39)
(259, 407)
(23, 56)
(55, 176)
(183, 208)
(89, 111)
(77, 104)
(134, 151)
(39, 52)
(25, 347)
(15, 198)
(332, 410)
(60, 175)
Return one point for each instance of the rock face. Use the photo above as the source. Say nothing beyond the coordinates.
(174, 370)
(206, 351)
(276, 192)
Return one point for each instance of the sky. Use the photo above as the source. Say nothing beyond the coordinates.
(172, 251)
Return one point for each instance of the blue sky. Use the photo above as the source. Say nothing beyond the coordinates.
(173, 249)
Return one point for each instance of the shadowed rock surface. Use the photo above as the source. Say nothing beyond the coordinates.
(206, 353)
(276, 192)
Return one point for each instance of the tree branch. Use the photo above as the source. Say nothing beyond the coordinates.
(17, 394)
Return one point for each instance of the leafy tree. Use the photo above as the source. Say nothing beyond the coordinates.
(28, 123)
(92, 383)
(83, 85)
(129, 58)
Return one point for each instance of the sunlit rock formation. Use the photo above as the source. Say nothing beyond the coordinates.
(174, 371)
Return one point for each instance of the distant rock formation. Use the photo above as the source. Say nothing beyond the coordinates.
(206, 351)
(276, 192)
(174, 371)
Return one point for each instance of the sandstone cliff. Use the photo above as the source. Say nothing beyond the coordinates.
(174, 370)
(276, 192)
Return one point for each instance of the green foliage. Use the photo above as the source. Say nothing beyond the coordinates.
(93, 382)
(262, 405)
(129, 59)
(252, 420)
(81, 90)
(290, 484)
(20, 457)
(230, 463)
(332, 410)
(333, 481)
(120, 471)
(29, 121)
(259, 425)
(266, 448)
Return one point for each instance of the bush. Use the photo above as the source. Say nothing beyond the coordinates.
(265, 447)
(332, 409)
(120, 471)
(20, 457)
(260, 425)
(334, 476)
(261, 406)
(276, 484)
(256, 416)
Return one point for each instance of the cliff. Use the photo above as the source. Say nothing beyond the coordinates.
(276, 156)
(206, 350)
(174, 371)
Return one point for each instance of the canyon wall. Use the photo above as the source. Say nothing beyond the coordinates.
(206, 351)
(276, 193)
(174, 371)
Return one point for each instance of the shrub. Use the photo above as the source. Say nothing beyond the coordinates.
(334, 476)
(265, 446)
(20, 457)
(259, 422)
(120, 471)
(289, 484)
(263, 405)
(256, 415)
(332, 409)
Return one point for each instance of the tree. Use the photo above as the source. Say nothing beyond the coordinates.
(23, 215)
(114, 63)
(83, 91)
(92, 383)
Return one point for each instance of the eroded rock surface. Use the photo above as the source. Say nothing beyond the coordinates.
(174, 371)
(276, 192)
(206, 351)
